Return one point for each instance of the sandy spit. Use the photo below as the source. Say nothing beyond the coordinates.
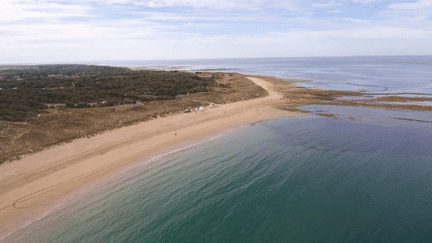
(30, 186)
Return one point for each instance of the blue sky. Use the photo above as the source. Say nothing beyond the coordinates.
(34, 31)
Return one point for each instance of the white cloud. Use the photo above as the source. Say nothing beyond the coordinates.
(156, 16)
(111, 46)
(45, 35)
(14, 10)
(158, 29)
(335, 11)
(409, 14)
(361, 21)
(214, 4)
(225, 4)
(376, 32)
(383, 32)
(330, 4)
(418, 6)
(364, 1)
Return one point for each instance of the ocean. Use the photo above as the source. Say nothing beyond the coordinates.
(363, 177)
(408, 75)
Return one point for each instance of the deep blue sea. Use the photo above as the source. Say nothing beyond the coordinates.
(363, 177)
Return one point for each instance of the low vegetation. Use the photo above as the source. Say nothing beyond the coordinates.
(27, 90)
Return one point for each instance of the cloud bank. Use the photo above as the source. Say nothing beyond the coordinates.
(66, 31)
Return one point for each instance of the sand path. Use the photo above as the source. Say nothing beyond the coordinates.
(33, 184)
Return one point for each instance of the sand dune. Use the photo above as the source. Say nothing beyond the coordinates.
(33, 184)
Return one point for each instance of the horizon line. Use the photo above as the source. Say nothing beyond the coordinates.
(98, 62)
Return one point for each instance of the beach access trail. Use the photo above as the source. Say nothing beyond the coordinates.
(34, 184)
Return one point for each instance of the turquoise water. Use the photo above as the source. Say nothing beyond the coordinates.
(306, 179)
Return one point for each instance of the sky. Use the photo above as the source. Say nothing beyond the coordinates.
(65, 31)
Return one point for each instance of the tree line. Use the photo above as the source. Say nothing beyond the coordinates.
(26, 90)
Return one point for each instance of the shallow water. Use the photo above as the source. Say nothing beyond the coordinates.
(306, 179)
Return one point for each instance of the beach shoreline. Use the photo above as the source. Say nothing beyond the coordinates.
(61, 170)
(41, 182)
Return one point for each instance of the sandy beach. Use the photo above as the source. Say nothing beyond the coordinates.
(33, 184)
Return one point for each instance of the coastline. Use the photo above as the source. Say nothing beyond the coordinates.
(58, 171)
(32, 187)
